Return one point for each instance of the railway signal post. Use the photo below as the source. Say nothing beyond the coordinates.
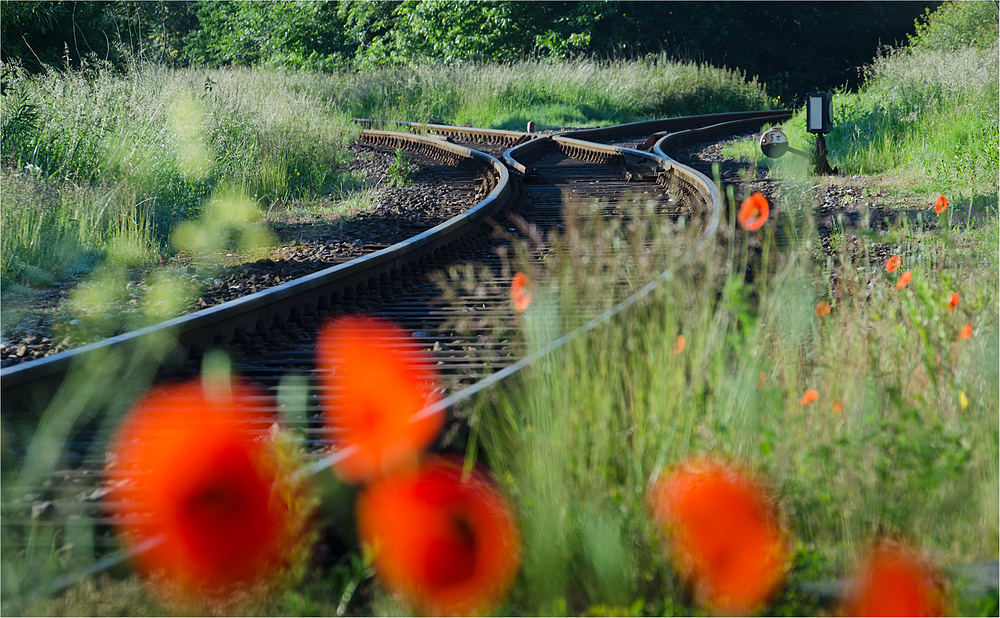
(774, 142)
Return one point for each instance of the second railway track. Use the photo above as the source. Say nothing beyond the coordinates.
(271, 334)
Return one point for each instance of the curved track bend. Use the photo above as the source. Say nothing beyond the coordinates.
(271, 333)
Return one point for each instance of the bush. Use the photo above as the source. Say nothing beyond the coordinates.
(956, 25)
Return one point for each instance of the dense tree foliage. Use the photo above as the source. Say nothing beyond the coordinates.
(793, 47)
(56, 33)
(959, 24)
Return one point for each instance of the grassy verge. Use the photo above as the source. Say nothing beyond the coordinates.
(551, 93)
(901, 441)
(103, 165)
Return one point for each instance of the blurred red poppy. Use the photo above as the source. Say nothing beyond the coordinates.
(753, 212)
(520, 292)
(449, 545)
(723, 534)
(904, 280)
(822, 309)
(809, 396)
(953, 301)
(838, 406)
(679, 344)
(893, 580)
(186, 470)
(375, 380)
(893, 263)
(940, 204)
(966, 331)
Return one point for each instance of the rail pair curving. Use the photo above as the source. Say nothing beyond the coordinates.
(308, 300)
(305, 302)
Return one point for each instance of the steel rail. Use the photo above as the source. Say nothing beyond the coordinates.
(453, 132)
(589, 151)
(260, 312)
(649, 128)
(670, 142)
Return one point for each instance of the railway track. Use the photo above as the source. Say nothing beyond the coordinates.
(270, 334)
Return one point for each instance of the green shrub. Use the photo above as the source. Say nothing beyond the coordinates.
(956, 25)
(400, 171)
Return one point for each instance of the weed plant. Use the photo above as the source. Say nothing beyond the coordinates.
(400, 171)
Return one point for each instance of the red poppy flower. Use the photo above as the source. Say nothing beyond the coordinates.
(822, 309)
(679, 344)
(723, 534)
(966, 331)
(809, 396)
(186, 470)
(893, 263)
(953, 301)
(940, 204)
(894, 580)
(753, 212)
(904, 280)
(838, 406)
(520, 292)
(449, 545)
(375, 381)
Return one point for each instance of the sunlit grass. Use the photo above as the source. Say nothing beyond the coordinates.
(899, 437)
(108, 162)
(355, 203)
(551, 93)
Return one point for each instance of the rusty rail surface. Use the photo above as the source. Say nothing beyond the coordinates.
(649, 128)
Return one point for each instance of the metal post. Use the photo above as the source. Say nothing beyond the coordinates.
(820, 163)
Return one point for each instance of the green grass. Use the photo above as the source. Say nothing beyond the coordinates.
(552, 93)
(576, 442)
(104, 164)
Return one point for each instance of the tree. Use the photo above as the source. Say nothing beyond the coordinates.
(63, 33)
